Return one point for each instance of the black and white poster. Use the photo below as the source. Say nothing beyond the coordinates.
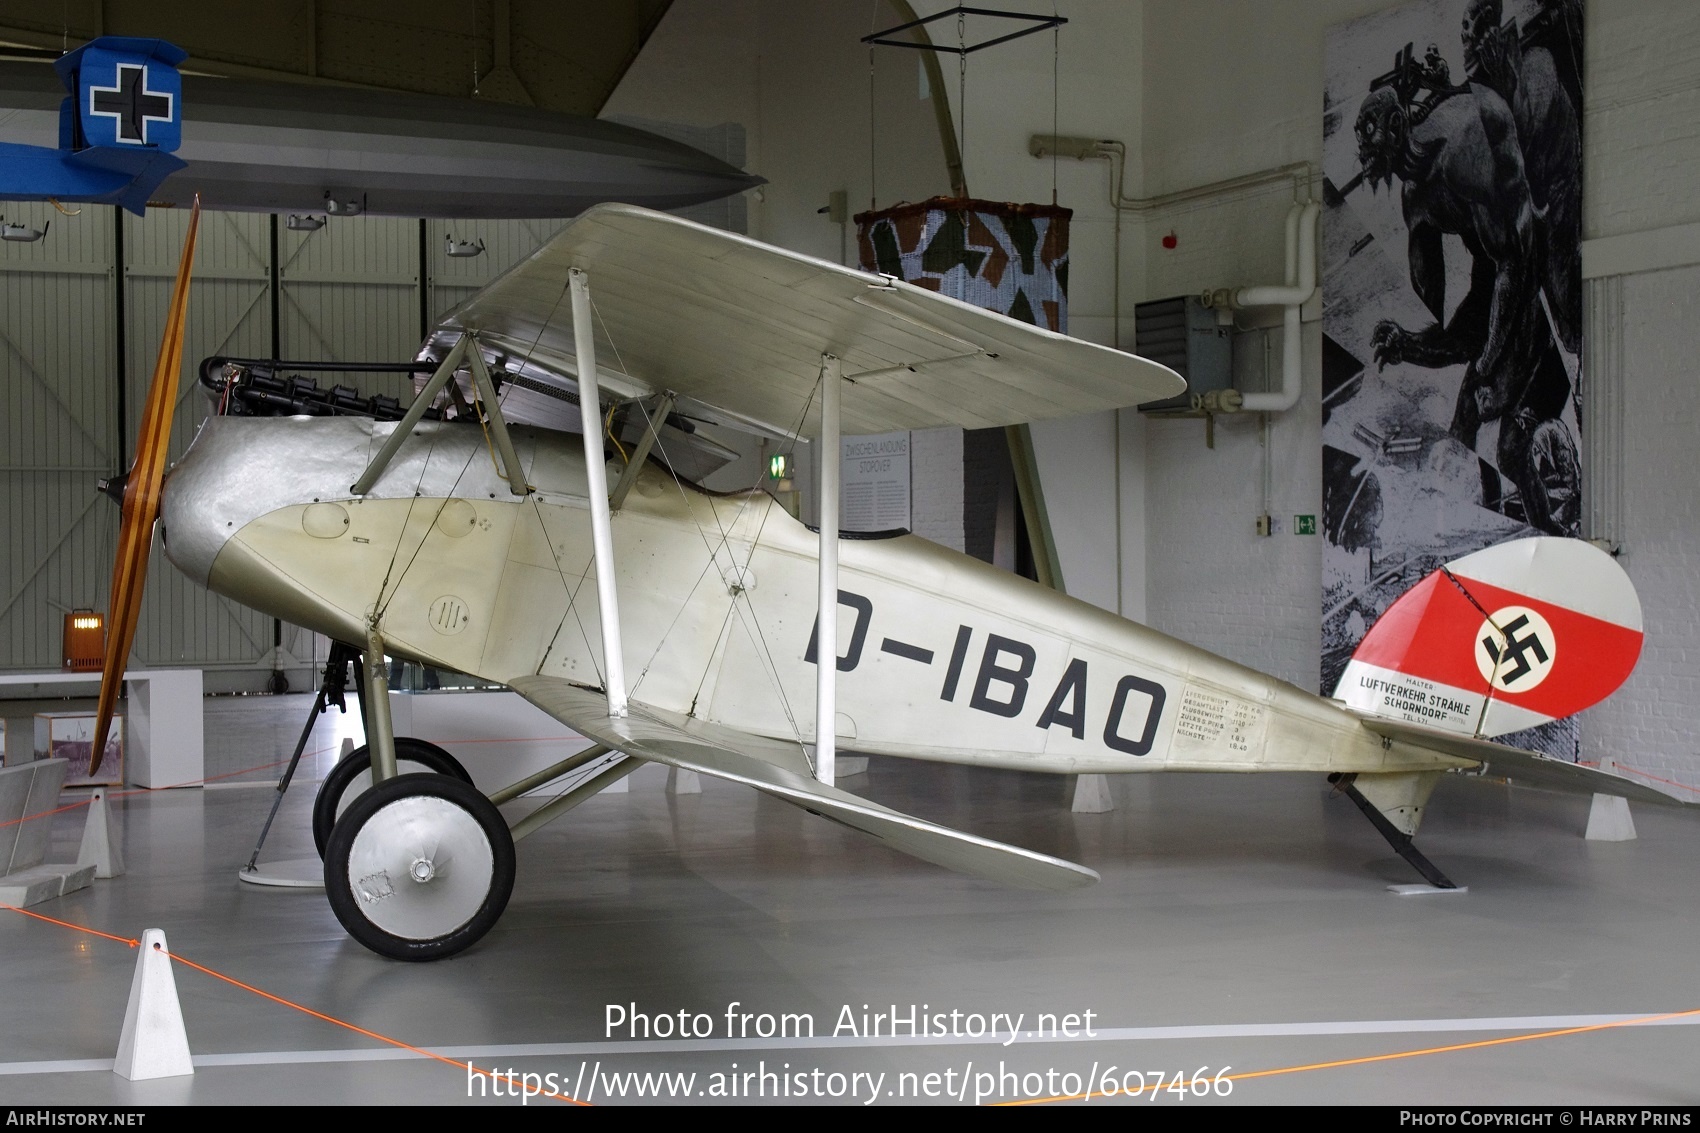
(1452, 287)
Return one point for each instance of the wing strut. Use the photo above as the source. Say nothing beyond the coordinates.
(641, 453)
(826, 653)
(404, 428)
(596, 471)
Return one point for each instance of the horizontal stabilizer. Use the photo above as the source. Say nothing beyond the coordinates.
(779, 769)
(1525, 767)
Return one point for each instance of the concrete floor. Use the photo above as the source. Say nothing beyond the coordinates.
(1242, 922)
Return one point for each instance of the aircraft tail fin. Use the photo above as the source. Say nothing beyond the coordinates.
(125, 93)
(1501, 640)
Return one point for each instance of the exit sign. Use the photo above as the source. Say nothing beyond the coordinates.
(1304, 525)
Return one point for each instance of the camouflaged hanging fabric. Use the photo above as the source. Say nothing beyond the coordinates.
(1012, 259)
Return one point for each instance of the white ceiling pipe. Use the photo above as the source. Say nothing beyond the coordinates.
(1301, 263)
(1301, 248)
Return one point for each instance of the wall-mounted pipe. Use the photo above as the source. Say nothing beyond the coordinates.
(1291, 297)
(1109, 149)
(1114, 154)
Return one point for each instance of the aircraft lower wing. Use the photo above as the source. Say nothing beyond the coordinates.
(780, 770)
(1523, 766)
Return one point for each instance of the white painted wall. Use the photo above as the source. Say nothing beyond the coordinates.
(796, 76)
(1237, 85)
(1651, 723)
(1232, 88)
(935, 470)
(1201, 92)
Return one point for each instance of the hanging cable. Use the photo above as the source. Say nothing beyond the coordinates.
(962, 93)
(1056, 55)
(873, 22)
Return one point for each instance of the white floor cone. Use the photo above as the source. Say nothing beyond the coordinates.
(683, 782)
(100, 847)
(1092, 795)
(1609, 820)
(153, 1043)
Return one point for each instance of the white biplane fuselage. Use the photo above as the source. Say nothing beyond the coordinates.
(471, 547)
(941, 656)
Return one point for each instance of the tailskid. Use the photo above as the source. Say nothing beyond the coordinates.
(1398, 839)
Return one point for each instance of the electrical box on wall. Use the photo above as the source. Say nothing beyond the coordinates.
(1184, 335)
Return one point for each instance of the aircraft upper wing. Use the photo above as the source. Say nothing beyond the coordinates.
(738, 326)
(1528, 767)
(780, 770)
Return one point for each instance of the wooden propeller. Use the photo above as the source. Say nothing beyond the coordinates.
(141, 497)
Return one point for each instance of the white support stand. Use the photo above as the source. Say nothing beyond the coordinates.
(826, 621)
(165, 742)
(289, 873)
(682, 782)
(153, 1043)
(32, 789)
(1609, 820)
(100, 846)
(346, 750)
(596, 474)
(1092, 795)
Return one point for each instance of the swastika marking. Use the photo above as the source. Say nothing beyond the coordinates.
(1515, 649)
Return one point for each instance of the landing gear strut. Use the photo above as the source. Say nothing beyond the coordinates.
(332, 685)
(1398, 839)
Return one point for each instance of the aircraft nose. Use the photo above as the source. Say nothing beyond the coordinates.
(192, 528)
(242, 468)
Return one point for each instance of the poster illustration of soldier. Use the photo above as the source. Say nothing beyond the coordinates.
(1452, 290)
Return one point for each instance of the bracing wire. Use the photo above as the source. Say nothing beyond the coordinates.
(752, 622)
(713, 547)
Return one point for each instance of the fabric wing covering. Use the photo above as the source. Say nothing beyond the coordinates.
(780, 770)
(734, 325)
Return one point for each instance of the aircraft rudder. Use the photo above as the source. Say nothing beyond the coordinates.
(1504, 639)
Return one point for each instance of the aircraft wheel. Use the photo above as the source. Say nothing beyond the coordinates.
(419, 867)
(352, 777)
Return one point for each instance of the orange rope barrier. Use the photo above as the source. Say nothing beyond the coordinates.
(1641, 1021)
(68, 924)
(455, 1062)
(231, 980)
(1643, 774)
(45, 813)
(1656, 779)
(211, 778)
(148, 790)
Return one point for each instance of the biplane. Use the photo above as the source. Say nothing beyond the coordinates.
(675, 625)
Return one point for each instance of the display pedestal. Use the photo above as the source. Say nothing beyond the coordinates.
(33, 789)
(1092, 795)
(167, 743)
(1609, 820)
(292, 873)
